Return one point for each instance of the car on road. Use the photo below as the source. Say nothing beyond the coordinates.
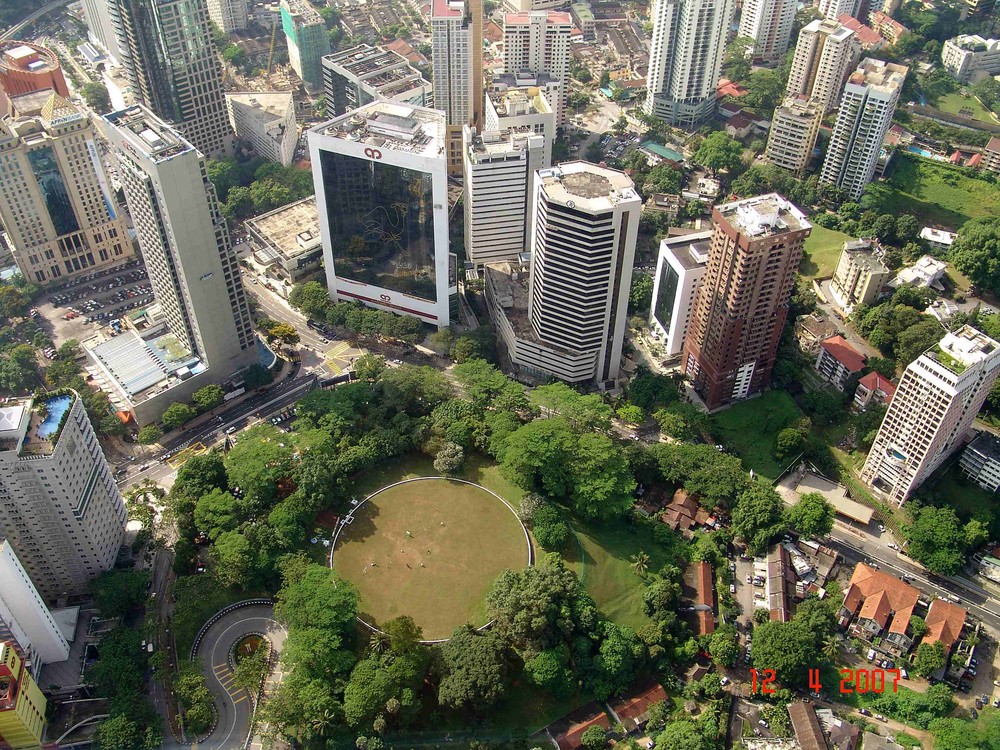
(763, 723)
(881, 528)
(880, 717)
(864, 712)
(230, 430)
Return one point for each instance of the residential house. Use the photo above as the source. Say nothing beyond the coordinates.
(867, 36)
(684, 512)
(944, 623)
(838, 360)
(805, 724)
(938, 237)
(780, 584)
(632, 710)
(568, 731)
(887, 28)
(698, 589)
(873, 387)
(739, 126)
(840, 734)
(810, 330)
(879, 605)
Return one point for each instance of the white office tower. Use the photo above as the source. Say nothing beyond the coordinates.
(769, 24)
(56, 203)
(863, 119)
(524, 109)
(825, 53)
(936, 401)
(228, 15)
(192, 267)
(59, 504)
(794, 128)
(498, 171)
(100, 30)
(25, 620)
(173, 67)
(689, 38)
(381, 177)
(523, 6)
(537, 43)
(584, 224)
(680, 267)
(457, 50)
(834, 9)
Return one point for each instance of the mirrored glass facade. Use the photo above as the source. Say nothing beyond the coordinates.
(667, 295)
(382, 224)
(50, 180)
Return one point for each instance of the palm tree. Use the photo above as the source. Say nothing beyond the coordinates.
(831, 647)
(640, 563)
(379, 643)
(322, 723)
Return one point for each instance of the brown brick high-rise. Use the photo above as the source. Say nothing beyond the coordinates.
(742, 304)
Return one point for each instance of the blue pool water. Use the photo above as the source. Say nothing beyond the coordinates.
(922, 151)
(56, 408)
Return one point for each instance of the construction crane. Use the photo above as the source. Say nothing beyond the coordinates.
(270, 54)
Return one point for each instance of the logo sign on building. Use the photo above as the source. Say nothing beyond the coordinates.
(373, 153)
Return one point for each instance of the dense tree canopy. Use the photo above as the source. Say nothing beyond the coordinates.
(976, 252)
(811, 516)
(758, 516)
(475, 669)
(939, 541)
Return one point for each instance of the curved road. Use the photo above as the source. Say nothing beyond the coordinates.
(232, 703)
(45, 9)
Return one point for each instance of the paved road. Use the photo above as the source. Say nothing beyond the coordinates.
(14, 30)
(215, 654)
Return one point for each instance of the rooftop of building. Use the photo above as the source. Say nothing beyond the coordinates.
(874, 741)
(841, 350)
(303, 11)
(944, 623)
(987, 444)
(273, 105)
(962, 349)
(865, 34)
(884, 19)
(582, 11)
(880, 595)
(834, 29)
(873, 381)
(938, 236)
(142, 368)
(148, 134)
(879, 74)
(384, 124)
(580, 184)
(521, 93)
(993, 145)
(494, 142)
(690, 250)
(866, 253)
(805, 724)
(290, 230)
(27, 56)
(526, 17)
(798, 106)
(764, 216)
(371, 64)
(974, 43)
(447, 9)
(32, 426)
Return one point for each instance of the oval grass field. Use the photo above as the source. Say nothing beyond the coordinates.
(430, 549)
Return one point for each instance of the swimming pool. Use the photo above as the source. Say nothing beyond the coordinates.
(55, 407)
(921, 151)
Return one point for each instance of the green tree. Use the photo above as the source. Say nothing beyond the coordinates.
(258, 465)
(311, 298)
(550, 529)
(369, 366)
(118, 733)
(550, 671)
(217, 512)
(758, 516)
(929, 658)
(718, 152)
(256, 376)
(725, 645)
(313, 596)
(789, 648)
(811, 516)
(251, 670)
(915, 340)
(594, 738)
(449, 459)
(682, 735)
(475, 669)
(234, 560)
(641, 293)
(823, 407)
(97, 97)
(178, 414)
(581, 412)
(937, 539)
(118, 592)
(788, 443)
(209, 397)
(918, 626)
(631, 414)
(976, 252)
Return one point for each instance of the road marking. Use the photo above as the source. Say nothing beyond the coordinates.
(217, 667)
(240, 700)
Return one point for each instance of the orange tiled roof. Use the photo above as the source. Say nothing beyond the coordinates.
(838, 348)
(887, 595)
(875, 382)
(570, 739)
(637, 704)
(944, 623)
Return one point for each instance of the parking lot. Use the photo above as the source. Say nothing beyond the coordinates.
(79, 308)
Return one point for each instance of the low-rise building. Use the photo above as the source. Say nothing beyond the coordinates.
(860, 276)
(873, 388)
(697, 588)
(980, 461)
(879, 605)
(632, 710)
(680, 267)
(584, 19)
(805, 724)
(944, 624)
(22, 705)
(926, 273)
(838, 360)
(938, 237)
(991, 156)
(886, 27)
(265, 121)
(287, 242)
(867, 37)
(970, 58)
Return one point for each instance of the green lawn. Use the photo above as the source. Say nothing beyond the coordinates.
(749, 429)
(939, 193)
(822, 251)
(955, 102)
(429, 549)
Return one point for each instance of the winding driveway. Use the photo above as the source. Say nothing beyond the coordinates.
(233, 705)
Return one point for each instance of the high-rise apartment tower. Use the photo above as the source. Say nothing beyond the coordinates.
(825, 53)
(168, 53)
(936, 401)
(25, 619)
(457, 48)
(308, 40)
(55, 199)
(228, 15)
(689, 38)
(769, 24)
(742, 302)
(537, 43)
(59, 504)
(794, 129)
(865, 113)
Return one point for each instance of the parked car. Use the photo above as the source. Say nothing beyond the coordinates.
(864, 712)
(880, 717)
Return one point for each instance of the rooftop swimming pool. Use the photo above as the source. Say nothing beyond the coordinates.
(55, 407)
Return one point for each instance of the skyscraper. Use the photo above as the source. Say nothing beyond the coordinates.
(865, 113)
(59, 504)
(457, 49)
(185, 243)
(936, 401)
(794, 129)
(689, 38)
(26, 67)
(537, 43)
(381, 177)
(833, 9)
(826, 51)
(498, 171)
(680, 268)
(362, 74)
(769, 24)
(167, 50)
(584, 224)
(25, 620)
(742, 302)
(55, 201)
(308, 41)
(228, 15)
(99, 27)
